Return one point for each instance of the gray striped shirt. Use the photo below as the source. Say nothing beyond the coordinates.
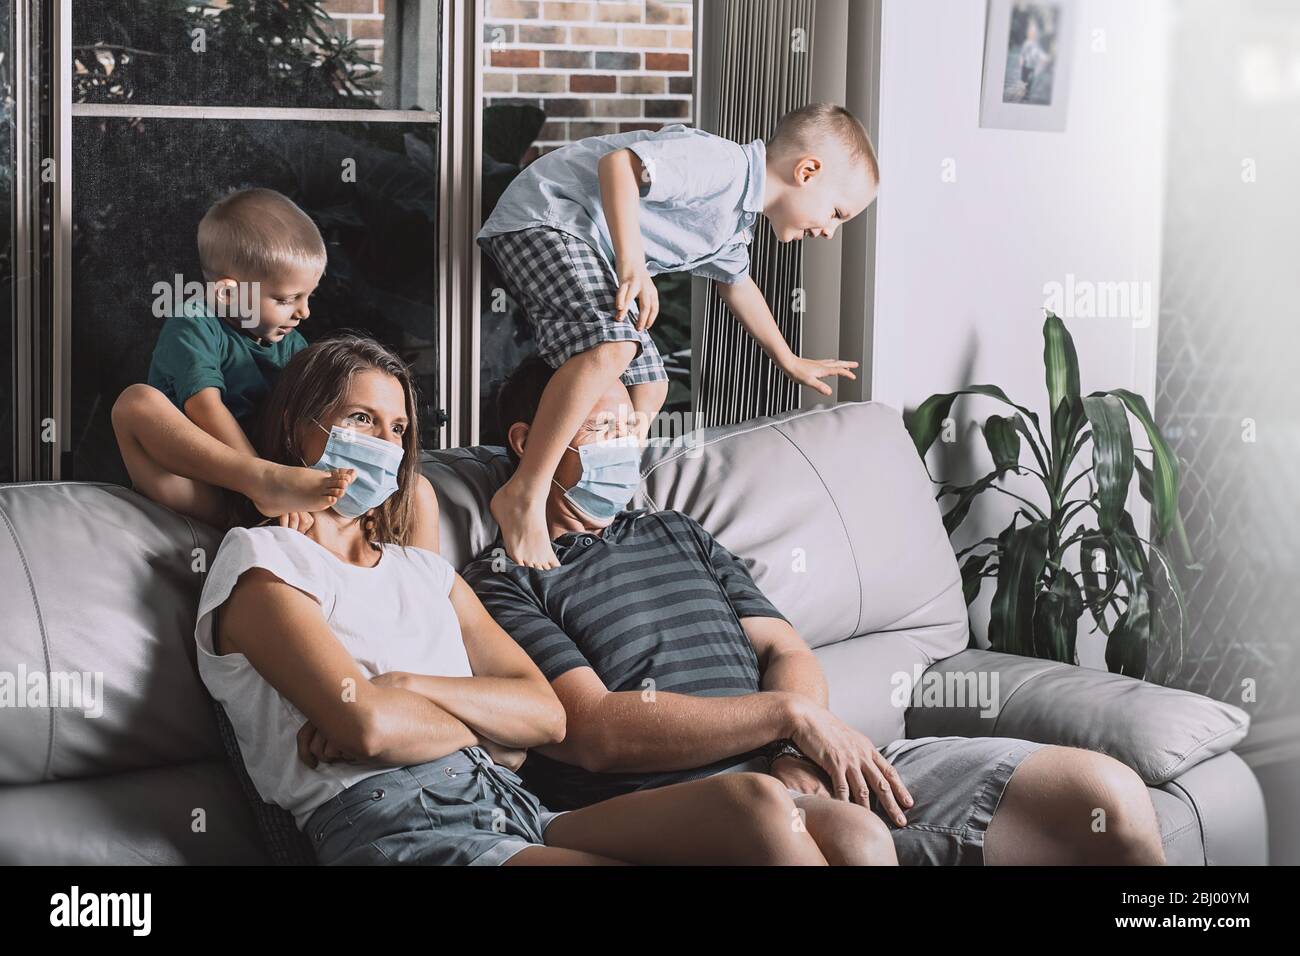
(652, 602)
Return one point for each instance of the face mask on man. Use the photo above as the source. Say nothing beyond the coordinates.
(376, 462)
(611, 474)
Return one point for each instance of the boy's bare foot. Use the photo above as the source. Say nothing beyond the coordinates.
(284, 488)
(523, 528)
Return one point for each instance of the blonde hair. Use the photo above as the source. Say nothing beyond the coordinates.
(810, 126)
(252, 234)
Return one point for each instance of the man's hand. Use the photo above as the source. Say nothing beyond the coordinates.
(635, 285)
(313, 747)
(800, 775)
(855, 767)
(810, 372)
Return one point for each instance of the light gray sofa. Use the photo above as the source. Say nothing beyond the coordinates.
(830, 507)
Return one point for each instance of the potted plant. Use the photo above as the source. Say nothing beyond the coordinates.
(1039, 601)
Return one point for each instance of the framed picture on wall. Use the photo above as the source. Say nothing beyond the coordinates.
(1028, 47)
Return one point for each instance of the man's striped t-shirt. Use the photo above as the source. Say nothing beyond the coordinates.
(654, 601)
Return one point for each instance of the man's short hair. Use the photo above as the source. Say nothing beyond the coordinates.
(519, 396)
(252, 234)
(804, 129)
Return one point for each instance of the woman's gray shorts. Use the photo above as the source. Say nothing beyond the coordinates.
(957, 783)
(460, 809)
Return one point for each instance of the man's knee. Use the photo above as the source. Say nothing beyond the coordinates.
(1108, 810)
(1125, 814)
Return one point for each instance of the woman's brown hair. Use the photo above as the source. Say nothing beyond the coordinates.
(314, 385)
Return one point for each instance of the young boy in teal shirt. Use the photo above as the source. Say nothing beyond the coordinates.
(183, 435)
(579, 233)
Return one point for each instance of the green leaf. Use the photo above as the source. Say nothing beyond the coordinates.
(1022, 555)
(972, 575)
(1061, 363)
(1056, 619)
(966, 495)
(1112, 456)
(1164, 488)
(1126, 650)
(1003, 439)
(1097, 586)
(1146, 485)
(925, 424)
(1130, 636)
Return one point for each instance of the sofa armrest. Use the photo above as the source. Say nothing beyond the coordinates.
(1156, 730)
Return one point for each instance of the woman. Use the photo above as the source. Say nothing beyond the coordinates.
(375, 698)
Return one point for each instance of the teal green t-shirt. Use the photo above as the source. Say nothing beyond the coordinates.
(198, 350)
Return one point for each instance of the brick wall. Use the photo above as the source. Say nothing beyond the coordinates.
(362, 21)
(595, 67)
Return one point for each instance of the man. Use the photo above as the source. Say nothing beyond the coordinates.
(671, 664)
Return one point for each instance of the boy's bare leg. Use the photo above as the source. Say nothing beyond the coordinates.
(647, 399)
(175, 463)
(729, 818)
(554, 856)
(519, 506)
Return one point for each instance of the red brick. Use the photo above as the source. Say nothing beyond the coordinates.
(583, 130)
(540, 82)
(644, 39)
(673, 62)
(588, 83)
(642, 84)
(523, 58)
(367, 29)
(667, 109)
(633, 127)
(682, 39)
(593, 36)
(568, 60)
(498, 82)
(681, 84)
(616, 106)
(333, 7)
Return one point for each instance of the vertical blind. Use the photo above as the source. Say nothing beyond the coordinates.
(758, 60)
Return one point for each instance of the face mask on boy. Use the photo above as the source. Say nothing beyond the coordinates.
(611, 474)
(375, 461)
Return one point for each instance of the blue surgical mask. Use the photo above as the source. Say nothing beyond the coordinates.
(611, 474)
(375, 461)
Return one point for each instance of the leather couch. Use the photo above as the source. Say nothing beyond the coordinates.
(830, 507)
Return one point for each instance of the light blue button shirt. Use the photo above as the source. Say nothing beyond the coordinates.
(697, 212)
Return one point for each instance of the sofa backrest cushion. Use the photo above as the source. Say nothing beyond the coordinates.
(830, 508)
(100, 589)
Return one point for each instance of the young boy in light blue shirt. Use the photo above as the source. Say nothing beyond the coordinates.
(578, 235)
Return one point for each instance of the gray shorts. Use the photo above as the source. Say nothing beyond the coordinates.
(567, 293)
(957, 783)
(460, 809)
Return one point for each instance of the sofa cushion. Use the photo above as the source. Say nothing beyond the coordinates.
(101, 587)
(833, 512)
(1159, 731)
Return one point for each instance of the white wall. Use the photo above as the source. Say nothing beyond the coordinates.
(961, 266)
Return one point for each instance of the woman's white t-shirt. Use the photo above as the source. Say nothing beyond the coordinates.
(395, 616)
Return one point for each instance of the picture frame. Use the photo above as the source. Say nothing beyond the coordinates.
(1028, 52)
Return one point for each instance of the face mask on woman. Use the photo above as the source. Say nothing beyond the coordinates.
(375, 461)
(611, 474)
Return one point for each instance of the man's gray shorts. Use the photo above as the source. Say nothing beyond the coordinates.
(956, 782)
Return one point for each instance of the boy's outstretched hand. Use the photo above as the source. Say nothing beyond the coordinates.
(810, 372)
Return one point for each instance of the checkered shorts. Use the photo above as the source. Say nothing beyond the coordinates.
(567, 293)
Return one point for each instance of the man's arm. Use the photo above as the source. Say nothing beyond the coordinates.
(646, 731)
(785, 661)
(206, 409)
(747, 304)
